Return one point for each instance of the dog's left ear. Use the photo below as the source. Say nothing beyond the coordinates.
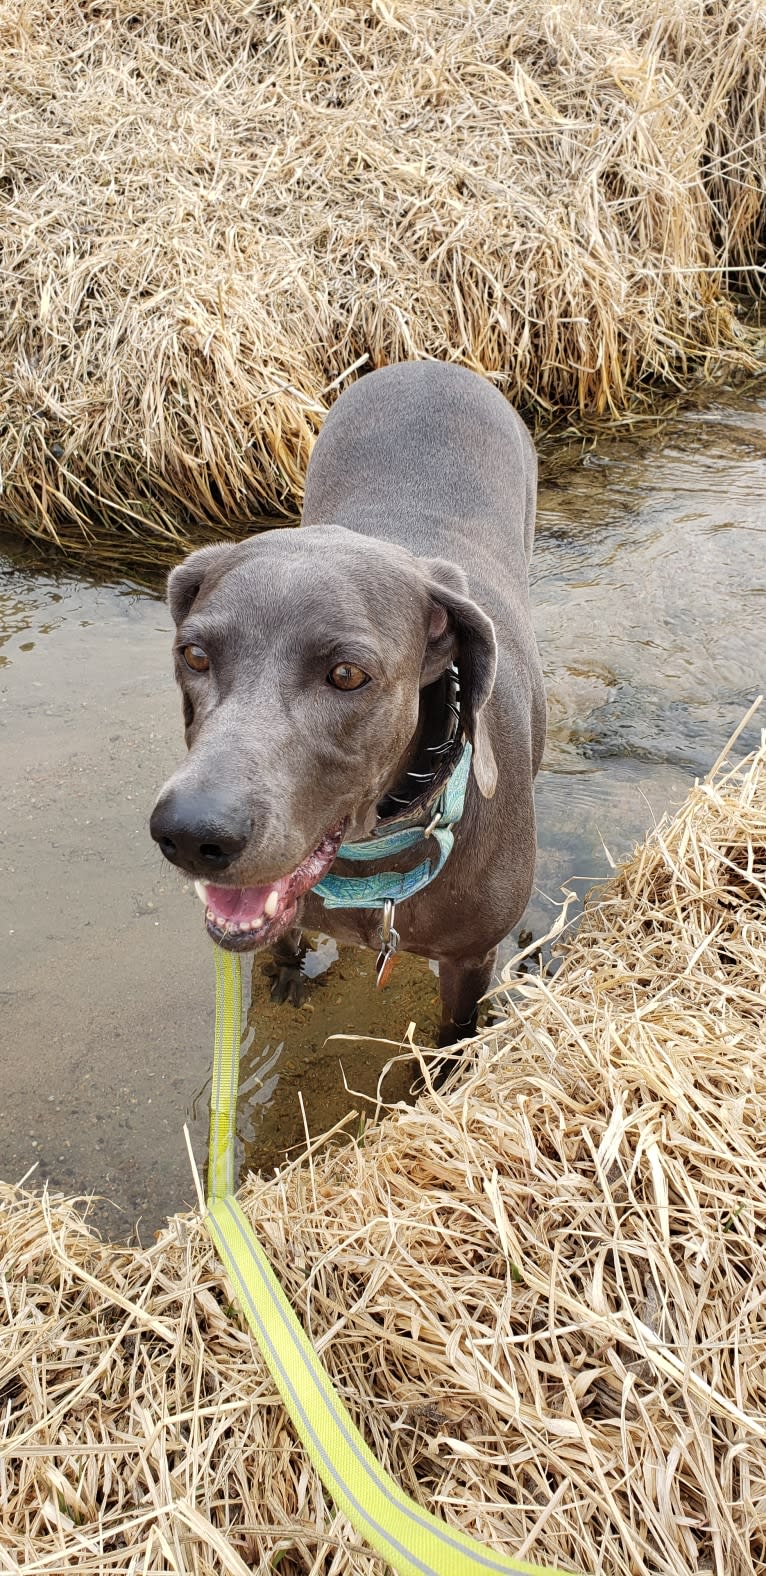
(186, 580)
(459, 631)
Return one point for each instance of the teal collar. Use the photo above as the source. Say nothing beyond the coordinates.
(375, 891)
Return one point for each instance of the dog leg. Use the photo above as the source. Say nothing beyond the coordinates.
(461, 983)
(285, 968)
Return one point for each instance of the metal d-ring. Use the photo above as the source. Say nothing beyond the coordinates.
(389, 941)
(388, 934)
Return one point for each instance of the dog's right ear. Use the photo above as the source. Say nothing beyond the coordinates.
(459, 628)
(185, 582)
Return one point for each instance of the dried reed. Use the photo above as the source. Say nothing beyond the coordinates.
(213, 214)
(542, 1292)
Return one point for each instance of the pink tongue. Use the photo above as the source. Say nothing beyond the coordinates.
(238, 905)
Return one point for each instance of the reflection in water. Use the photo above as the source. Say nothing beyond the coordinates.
(649, 586)
(289, 1051)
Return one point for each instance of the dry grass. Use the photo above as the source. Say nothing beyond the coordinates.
(212, 212)
(542, 1293)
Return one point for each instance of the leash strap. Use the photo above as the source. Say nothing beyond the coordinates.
(412, 1540)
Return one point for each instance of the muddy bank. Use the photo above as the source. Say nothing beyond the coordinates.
(213, 219)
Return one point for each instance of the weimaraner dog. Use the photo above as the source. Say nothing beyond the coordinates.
(317, 668)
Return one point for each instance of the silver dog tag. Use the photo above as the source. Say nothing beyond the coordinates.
(389, 937)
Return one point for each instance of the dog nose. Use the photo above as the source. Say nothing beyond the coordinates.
(200, 832)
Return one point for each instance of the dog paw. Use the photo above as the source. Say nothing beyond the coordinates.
(439, 1071)
(288, 982)
(444, 1070)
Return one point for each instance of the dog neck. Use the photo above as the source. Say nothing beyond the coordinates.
(433, 754)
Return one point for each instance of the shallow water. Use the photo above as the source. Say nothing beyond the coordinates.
(649, 586)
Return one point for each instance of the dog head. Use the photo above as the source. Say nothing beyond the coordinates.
(301, 655)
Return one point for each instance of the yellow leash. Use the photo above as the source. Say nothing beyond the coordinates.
(411, 1539)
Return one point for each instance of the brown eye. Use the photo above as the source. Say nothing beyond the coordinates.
(195, 658)
(346, 676)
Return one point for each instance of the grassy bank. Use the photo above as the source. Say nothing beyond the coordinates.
(541, 1293)
(213, 214)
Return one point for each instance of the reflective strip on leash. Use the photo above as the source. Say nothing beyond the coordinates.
(411, 1539)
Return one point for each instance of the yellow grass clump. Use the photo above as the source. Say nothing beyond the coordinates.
(541, 1293)
(213, 214)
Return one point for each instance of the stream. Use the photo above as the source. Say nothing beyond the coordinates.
(649, 590)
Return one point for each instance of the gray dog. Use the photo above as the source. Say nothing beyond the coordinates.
(324, 670)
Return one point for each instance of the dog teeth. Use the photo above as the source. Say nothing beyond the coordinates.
(272, 903)
(199, 887)
(241, 929)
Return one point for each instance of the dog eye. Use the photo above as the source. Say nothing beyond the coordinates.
(346, 676)
(195, 658)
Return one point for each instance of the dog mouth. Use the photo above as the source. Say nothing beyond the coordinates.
(243, 918)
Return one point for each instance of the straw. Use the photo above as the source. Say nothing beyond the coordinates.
(215, 216)
(542, 1291)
